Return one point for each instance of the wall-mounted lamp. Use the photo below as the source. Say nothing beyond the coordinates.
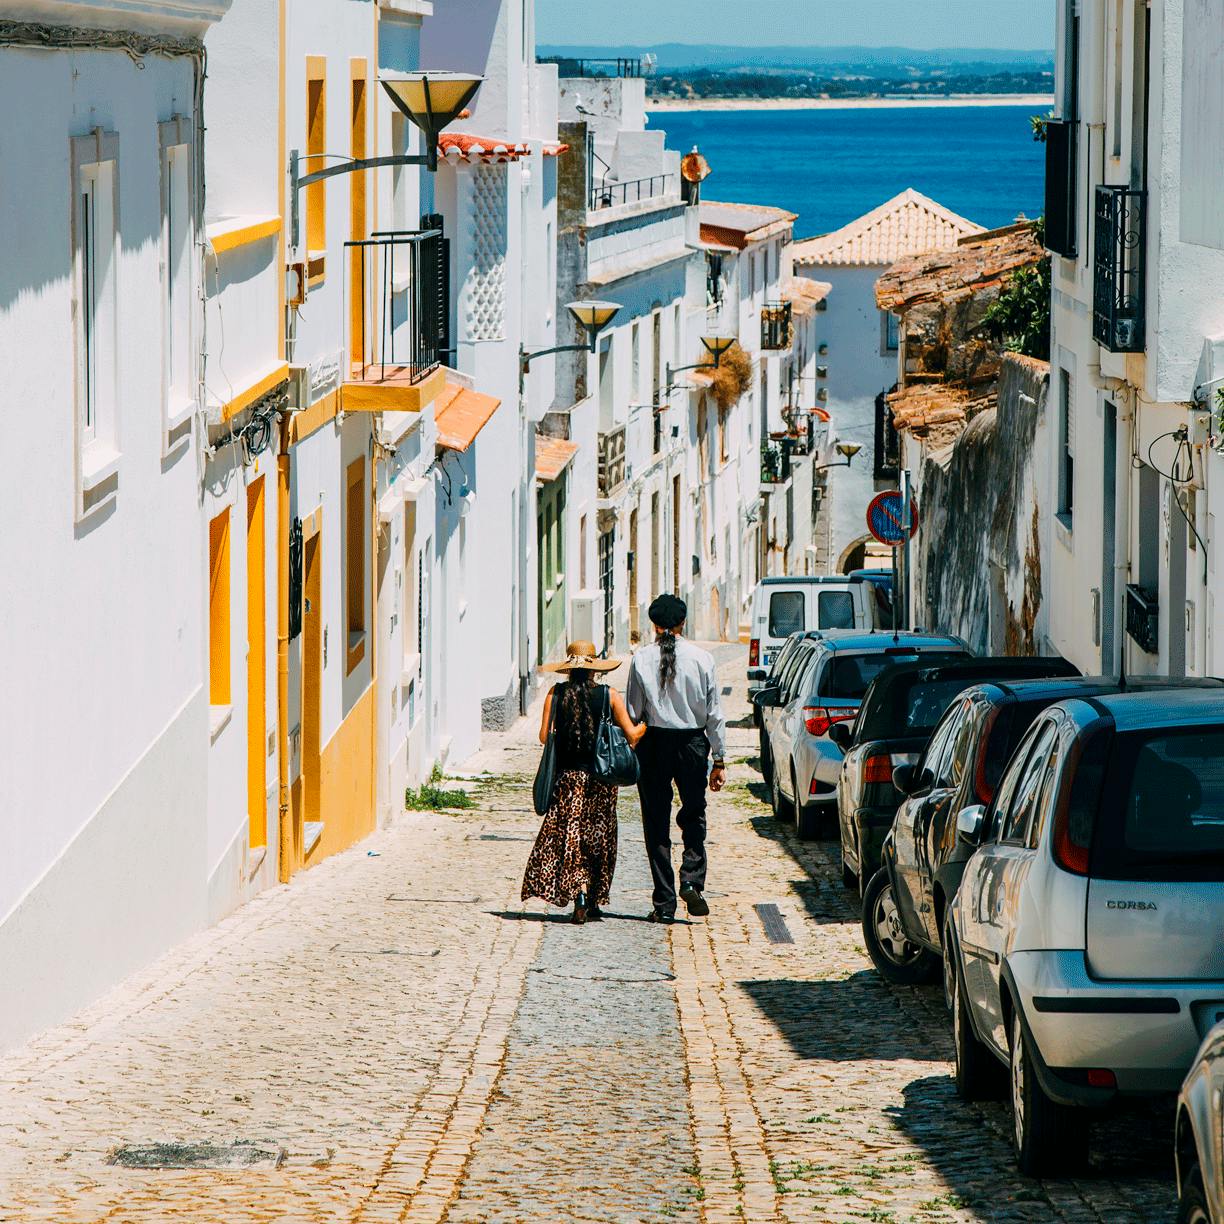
(591, 316)
(716, 346)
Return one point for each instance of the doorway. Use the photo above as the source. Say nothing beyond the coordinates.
(256, 665)
(312, 676)
(635, 629)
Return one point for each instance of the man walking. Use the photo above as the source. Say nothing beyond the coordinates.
(672, 688)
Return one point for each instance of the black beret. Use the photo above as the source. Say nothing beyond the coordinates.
(668, 612)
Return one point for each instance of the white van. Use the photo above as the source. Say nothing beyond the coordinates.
(785, 605)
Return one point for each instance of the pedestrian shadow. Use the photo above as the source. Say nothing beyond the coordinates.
(741, 724)
(856, 1019)
(970, 1146)
(563, 916)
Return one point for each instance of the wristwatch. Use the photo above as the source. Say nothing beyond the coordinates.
(718, 763)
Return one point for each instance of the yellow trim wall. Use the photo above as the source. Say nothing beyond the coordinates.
(346, 782)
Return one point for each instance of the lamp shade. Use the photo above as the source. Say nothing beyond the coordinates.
(849, 449)
(716, 346)
(594, 316)
(431, 99)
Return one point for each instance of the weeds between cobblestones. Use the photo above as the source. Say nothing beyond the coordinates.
(424, 1047)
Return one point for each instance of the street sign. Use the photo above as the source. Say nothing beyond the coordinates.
(885, 517)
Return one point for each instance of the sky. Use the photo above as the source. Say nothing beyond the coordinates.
(1004, 24)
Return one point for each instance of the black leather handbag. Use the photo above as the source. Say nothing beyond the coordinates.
(615, 762)
(546, 774)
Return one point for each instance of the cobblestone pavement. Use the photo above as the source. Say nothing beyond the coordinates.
(395, 1037)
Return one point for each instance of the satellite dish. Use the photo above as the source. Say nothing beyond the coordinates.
(650, 62)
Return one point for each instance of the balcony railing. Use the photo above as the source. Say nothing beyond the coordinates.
(401, 312)
(1143, 618)
(611, 461)
(1060, 194)
(616, 66)
(775, 462)
(1118, 270)
(608, 193)
(776, 325)
(887, 440)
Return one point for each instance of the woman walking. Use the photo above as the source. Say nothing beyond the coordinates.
(673, 688)
(574, 856)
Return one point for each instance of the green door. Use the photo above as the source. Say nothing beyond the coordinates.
(550, 533)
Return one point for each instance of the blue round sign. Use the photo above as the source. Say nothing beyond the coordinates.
(884, 516)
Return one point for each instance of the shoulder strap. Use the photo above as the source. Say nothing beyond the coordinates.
(552, 708)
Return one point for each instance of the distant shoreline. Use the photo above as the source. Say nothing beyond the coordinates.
(747, 104)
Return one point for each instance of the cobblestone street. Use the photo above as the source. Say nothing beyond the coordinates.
(396, 1037)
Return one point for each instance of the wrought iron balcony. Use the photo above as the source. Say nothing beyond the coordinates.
(1143, 618)
(609, 193)
(611, 461)
(776, 331)
(1118, 269)
(614, 66)
(399, 312)
(775, 462)
(887, 440)
(1060, 194)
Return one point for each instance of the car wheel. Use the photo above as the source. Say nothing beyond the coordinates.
(1193, 1208)
(978, 1075)
(766, 759)
(1049, 1138)
(781, 805)
(897, 957)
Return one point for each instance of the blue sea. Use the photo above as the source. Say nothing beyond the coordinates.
(831, 166)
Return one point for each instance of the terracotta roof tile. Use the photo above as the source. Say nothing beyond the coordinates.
(908, 224)
(804, 294)
(734, 226)
(553, 456)
(460, 414)
(462, 146)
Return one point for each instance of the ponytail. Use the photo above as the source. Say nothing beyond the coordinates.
(667, 657)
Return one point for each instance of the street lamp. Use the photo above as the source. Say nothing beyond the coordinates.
(716, 346)
(591, 316)
(430, 100)
(847, 450)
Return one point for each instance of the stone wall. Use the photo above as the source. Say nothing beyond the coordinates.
(977, 555)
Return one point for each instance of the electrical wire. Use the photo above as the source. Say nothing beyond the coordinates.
(1175, 478)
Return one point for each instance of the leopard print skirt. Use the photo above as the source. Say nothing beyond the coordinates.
(575, 850)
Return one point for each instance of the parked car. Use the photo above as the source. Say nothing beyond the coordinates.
(794, 653)
(897, 716)
(824, 687)
(922, 860)
(882, 580)
(782, 606)
(1200, 1135)
(1087, 937)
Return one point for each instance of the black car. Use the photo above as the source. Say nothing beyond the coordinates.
(897, 717)
(904, 904)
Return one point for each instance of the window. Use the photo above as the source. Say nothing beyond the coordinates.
(316, 146)
(219, 609)
(357, 203)
(399, 174)
(677, 333)
(635, 382)
(1066, 446)
(178, 295)
(606, 411)
(1024, 800)
(890, 326)
(354, 562)
(835, 610)
(963, 742)
(851, 675)
(723, 453)
(582, 553)
(703, 438)
(94, 241)
(786, 613)
(656, 358)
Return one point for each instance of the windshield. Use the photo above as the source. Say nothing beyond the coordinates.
(785, 613)
(1162, 812)
(849, 676)
(835, 610)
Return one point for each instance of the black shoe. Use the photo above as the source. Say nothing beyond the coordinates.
(698, 906)
(594, 913)
(659, 915)
(581, 912)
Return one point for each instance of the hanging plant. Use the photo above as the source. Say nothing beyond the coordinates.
(733, 377)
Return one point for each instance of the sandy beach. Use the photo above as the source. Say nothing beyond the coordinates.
(1037, 101)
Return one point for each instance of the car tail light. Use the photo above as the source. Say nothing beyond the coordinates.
(983, 789)
(878, 769)
(818, 719)
(1069, 854)
(754, 652)
(1102, 1077)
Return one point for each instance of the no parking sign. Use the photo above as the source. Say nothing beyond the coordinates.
(885, 515)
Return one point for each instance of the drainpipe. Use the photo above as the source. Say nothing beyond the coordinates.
(285, 823)
(524, 642)
(1122, 516)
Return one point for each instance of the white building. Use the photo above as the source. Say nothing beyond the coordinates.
(108, 829)
(1137, 355)
(858, 355)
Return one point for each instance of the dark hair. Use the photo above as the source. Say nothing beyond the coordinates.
(575, 722)
(667, 657)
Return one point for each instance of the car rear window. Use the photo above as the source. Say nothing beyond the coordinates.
(785, 613)
(850, 675)
(835, 610)
(1161, 814)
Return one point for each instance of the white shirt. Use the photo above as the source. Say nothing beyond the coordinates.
(688, 702)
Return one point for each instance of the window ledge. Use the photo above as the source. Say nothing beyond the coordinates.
(312, 834)
(411, 669)
(316, 267)
(99, 462)
(218, 719)
(356, 649)
(177, 416)
(1063, 528)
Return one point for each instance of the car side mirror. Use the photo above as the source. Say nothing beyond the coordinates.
(969, 824)
(903, 777)
(841, 733)
(767, 696)
(757, 673)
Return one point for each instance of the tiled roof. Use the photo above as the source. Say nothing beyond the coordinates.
(734, 226)
(462, 146)
(974, 263)
(804, 294)
(908, 224)
(460, 414)
(937, 411)
(552, 456)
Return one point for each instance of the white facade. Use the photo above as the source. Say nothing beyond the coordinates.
(1119, 522)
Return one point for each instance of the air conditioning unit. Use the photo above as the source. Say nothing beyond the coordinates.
(586, 616)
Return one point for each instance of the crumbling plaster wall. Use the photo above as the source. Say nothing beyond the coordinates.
(977, 555)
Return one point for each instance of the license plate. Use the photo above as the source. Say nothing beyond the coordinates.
(767, 661)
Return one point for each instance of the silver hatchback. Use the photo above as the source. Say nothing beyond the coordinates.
(1089, 925)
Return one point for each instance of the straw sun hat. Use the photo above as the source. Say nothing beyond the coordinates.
(581, 656)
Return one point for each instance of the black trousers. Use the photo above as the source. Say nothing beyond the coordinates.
(681, 758)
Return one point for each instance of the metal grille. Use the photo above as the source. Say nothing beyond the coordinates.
(295, 578)
(887, 440)
(1118, 270)
(1143, 618)
(611, 461)
(776, 325)
(1060, 200)
(607, 541)
(617, 66)
(776, 930)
